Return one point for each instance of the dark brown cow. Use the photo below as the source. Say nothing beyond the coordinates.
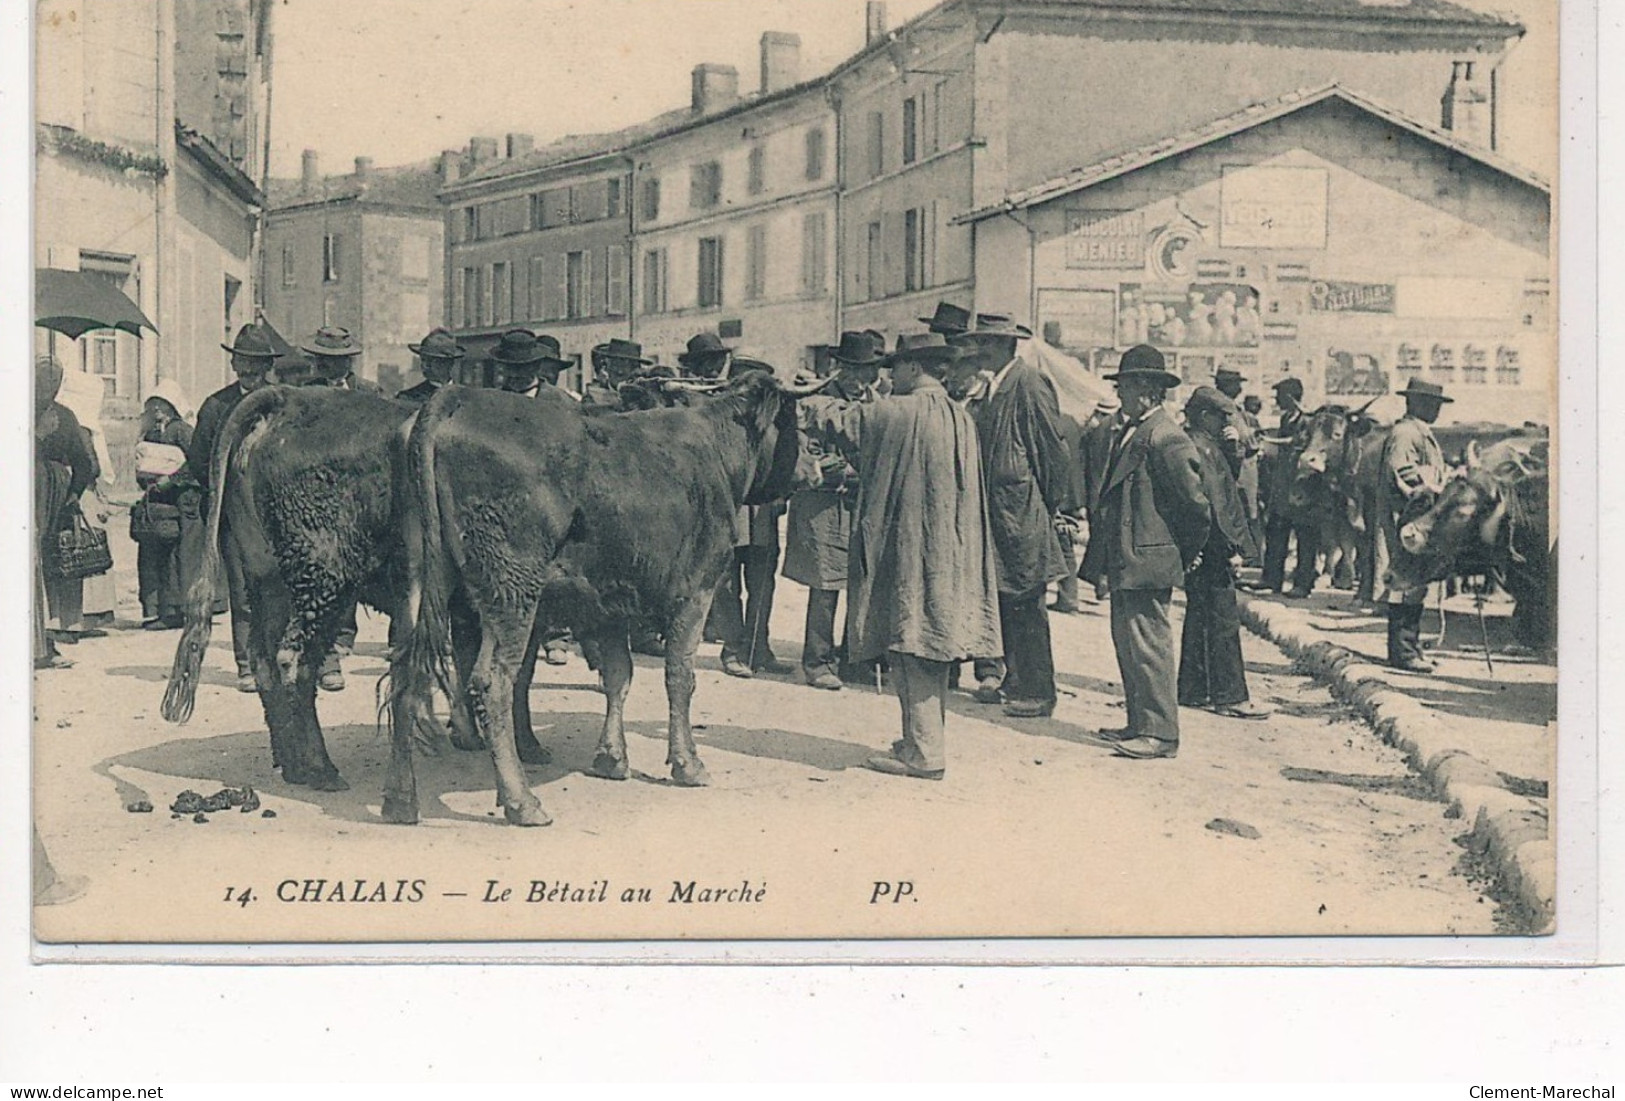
(1327, 490)
(533, 511)
(305, 492)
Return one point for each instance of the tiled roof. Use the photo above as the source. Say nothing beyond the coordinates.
(411, 185)
(1388, 11)
(578, 147)
(1248, 117)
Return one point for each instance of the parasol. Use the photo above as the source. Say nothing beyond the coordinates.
(73, 303)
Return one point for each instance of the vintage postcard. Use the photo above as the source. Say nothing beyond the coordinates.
(912, 471)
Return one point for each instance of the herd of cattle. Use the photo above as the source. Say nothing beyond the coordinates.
(485, 519)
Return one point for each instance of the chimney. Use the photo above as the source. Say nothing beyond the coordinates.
(363, 167)
(310, 175)
(715, 87)
(1467, 111)
(520, 145)
(451, 166)
(875, 26)
(781, 61)
(482, 151)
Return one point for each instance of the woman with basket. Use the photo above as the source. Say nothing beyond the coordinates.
(169, 506)
(68, 548)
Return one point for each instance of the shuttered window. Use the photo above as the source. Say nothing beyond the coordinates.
(815, 153)
(578, 285)
(911, 130)
(655, 273)
(874, 277)
(615, 280)
(650, 206)
(877, 143)
(710, 272)
(536, 305)
(914, 233)
(757, 182)
(756, 262)
(501, 295)
(814, 253)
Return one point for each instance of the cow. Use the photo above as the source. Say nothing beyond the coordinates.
(305, 492)
(1329, 488)
(1494, 520)
(592, 522)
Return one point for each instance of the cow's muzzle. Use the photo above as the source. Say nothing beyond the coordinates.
(1414, 538)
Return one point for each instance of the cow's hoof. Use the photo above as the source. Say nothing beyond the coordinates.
(528, 813)
(535, 753)
(607, 767)
(468, 743)
(327, 781)
(690, 775)
(399, 812)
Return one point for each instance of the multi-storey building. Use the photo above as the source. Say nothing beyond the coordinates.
(975, 100)
(150, 146)
(361, 250)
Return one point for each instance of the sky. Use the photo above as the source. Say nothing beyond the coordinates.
(400, 80)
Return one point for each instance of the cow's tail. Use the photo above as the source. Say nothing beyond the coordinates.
(181, 694)
(424, 662)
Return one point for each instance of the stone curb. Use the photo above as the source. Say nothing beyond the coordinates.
(1509, 831)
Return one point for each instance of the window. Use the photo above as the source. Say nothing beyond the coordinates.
(710, 273)
(705, 185)
(536, 215)
(814, 253)
(501, 295)
(877, 144)
(473, 299)
(615, 280)
(655, 272)
(914, 268)
(933, 124)
(589, 202)
(756, 262)
(101, 358)
(815, 153)
(554, 208)
(471, 223)
(873, 281)
(538, 282)
(578, 285)
(613, 198)
(330, 258)
(650, 207)
(758, 169)
(288, 267)
(911, 130)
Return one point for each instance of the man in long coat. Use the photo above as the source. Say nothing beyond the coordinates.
(1025, 462)
(1282, 524)
(921, 583)
(1413, 474)
(818, 530)
(1153, 525)
(614, 364)
(1094, 452)
(1212, 674)
(252, 358)
(437, 354)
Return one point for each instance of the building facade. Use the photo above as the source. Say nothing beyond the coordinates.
(1248, 243)
(363, 251)
(148, 152)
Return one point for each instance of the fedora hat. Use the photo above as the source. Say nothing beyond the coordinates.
(949, 320)
(702, 347)
(439, 344)
(999, 324)
(1144, 362)
(523, 348)
(331, 340)
(1416, 388)
(252, 341)
(616, 348)
(927, 347)
(863, 349)
(1292, 386)
(1230, 373)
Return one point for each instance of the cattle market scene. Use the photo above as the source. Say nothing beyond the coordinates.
(1063, 469)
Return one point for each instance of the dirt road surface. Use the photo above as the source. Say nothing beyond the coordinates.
(1037, 829)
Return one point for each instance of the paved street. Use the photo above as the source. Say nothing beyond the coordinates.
(1036, 830)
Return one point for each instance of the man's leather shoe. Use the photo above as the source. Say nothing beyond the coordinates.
(1413, 665)
(1030, 709)
(1146, 748)
(987, 691)
(331, 681)
(891, 766)
(1296, 593)
(1115, 734)
(736, 668)
(774, 666)
(556, 655)
(1246, 709)
(826, 680)
(247, 683)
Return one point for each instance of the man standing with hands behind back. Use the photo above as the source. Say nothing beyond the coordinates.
(1154, 522)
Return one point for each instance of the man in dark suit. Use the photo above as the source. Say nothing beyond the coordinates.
(1154, 520)
(1094, 451)
(1281, 524)
(334, 351)
(1028, 471)
(437, 356)
(252, 358)
(1212, 674)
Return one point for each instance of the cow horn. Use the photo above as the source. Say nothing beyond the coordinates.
(1360, 412)
(804, 387)
(694, 386)
(1473, 461)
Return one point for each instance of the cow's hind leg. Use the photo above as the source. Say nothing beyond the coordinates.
(490, 694)
(682, 639)
(465, 648)
(401, 784)
(615, 667)
(530, 750)
(320, 773)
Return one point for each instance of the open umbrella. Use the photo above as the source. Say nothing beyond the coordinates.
(73, 303)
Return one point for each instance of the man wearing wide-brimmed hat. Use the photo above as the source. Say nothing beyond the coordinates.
(333, 350)
(525, 361)
(1413, 475)
(437, 354)
(949, 320)
(252, 358)
(922, 589)
(1153, 521)
(1281, 526)
(819, 529)
(1241, 445)
(1094, 449)
(614, 364)
(706, 357)
(1027, 465)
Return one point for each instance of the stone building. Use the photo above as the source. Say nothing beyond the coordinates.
(1318, 235)
(362, 250)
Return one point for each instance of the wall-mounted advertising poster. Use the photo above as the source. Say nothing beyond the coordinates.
(1105, 239)
(1338, 296)
(1191, 315)
(1354, 374)
(1273, 206)
(1077, 321)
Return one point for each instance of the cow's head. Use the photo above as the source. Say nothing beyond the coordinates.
(764, 405)
(1332, 432)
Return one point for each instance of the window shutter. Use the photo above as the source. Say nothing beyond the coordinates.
(559, 306)
(589, 303)
(615, 281)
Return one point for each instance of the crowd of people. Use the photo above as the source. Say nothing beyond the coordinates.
(942, 491)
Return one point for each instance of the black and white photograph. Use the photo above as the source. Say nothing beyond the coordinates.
(860, 470)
